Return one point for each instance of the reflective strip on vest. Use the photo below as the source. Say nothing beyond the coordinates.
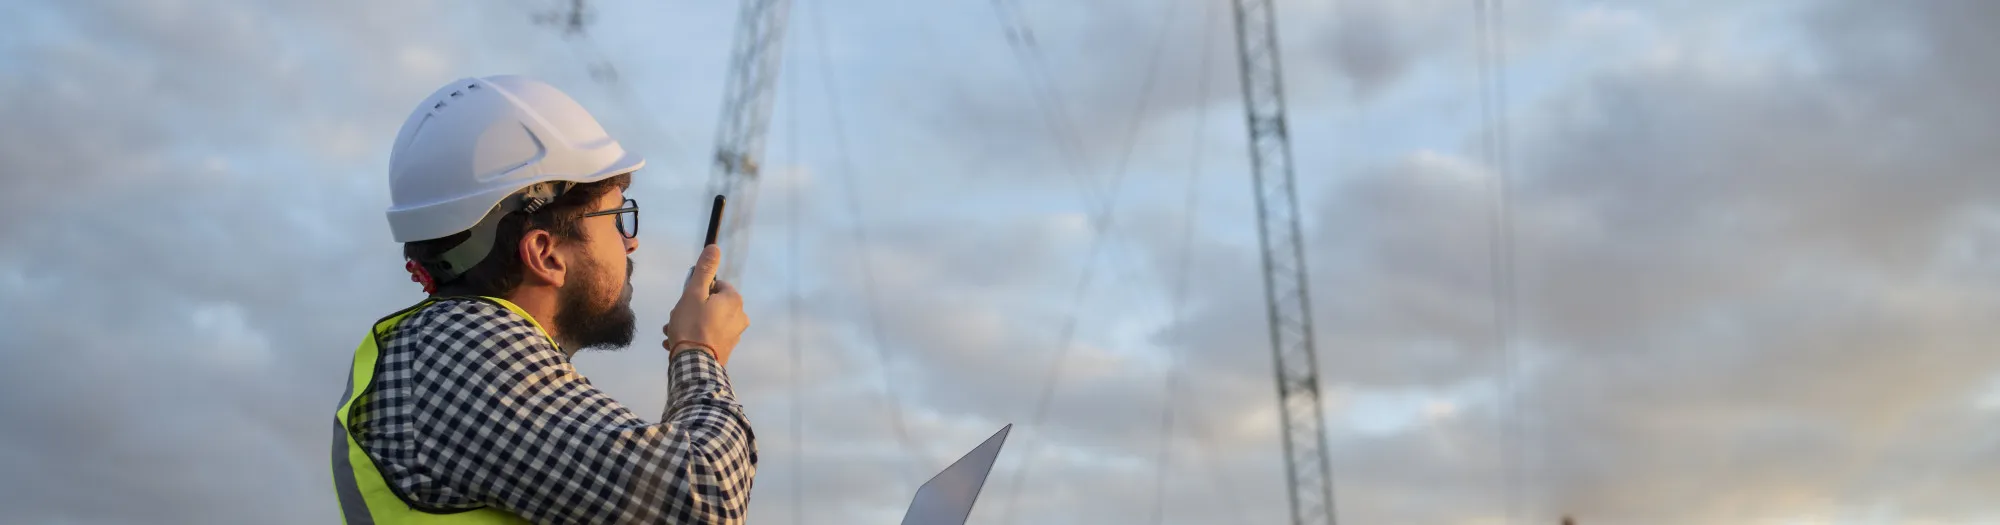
(365, 497)
(352, 507)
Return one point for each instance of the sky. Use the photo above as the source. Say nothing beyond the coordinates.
(1756, 252)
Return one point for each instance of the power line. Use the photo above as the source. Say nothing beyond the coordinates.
(1101, 226)
(892, 397)
(1179, 298)
(792, 288)
(1221, 483)
(1022, 43)
(1492, 42)
(1508, 258)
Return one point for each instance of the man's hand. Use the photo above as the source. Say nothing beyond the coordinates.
(705, 317)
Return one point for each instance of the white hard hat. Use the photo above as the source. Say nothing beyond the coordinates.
(477, 140)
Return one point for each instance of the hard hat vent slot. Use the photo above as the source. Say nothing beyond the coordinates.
(439, 105)
(456, 94)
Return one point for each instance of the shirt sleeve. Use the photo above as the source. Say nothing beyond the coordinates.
(508, 422)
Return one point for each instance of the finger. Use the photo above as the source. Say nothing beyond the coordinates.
(726, 291)
(703, 273)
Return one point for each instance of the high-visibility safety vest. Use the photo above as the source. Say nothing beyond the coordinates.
(366, 498)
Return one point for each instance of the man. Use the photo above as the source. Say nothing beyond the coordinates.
(464, 408)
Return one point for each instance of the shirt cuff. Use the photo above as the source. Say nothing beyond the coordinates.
(696, 376)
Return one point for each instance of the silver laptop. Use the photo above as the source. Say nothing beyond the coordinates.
(947, 498)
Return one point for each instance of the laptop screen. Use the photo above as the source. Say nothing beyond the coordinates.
(947, 498)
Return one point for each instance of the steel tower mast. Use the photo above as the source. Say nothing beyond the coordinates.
(746, 113)
(1287, 304)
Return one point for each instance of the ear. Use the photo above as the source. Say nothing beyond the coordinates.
(541, 260)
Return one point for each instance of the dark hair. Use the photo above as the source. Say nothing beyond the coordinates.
(500, 272)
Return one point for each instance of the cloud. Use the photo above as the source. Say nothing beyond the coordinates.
(1754, 248)
(1744, 289)
(199, 245)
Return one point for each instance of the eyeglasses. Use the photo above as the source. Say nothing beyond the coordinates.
(628, 217)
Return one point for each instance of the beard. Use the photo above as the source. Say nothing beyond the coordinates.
(592, 316)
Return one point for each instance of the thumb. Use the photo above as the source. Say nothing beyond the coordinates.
(725, 291)
(703, 273)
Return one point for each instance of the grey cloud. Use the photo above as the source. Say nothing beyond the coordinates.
(1749, 281)
(967, 93)
(1371, 45)
(1734, 274)
(1747, 295)
(197, 251)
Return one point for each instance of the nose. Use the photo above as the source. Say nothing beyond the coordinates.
(631, 245)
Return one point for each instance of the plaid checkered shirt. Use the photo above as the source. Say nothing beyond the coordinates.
(472, 406)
